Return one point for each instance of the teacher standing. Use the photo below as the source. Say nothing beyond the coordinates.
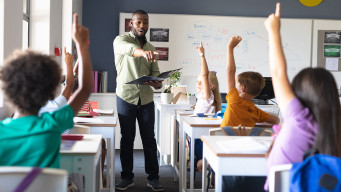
(135, 57)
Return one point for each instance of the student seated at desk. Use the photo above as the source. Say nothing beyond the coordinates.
(241, 110)
(310, 106)
(208, 98)
(29, 80)
(63, 98)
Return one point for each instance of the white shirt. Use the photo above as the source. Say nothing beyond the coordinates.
(204, 106)
(53, 105)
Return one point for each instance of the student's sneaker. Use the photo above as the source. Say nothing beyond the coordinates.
(155, 185)
(124, 184)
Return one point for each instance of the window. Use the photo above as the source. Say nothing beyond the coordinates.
(26, 24)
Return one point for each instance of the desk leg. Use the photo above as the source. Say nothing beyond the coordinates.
(192, 164)
(110, 164)
(218, 181)
(204, 174)
(183, 164)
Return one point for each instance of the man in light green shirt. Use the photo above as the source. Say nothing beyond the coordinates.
(135, 57)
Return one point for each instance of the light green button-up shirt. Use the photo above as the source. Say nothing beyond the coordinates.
(130, 68)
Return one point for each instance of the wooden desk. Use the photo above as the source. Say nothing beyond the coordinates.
(177, 140)
(194, 127)
(84, 158)
(104, 125)
(232, 163)
(163, 127)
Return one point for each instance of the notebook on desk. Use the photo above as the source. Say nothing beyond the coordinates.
(66, 144)
(243, 145)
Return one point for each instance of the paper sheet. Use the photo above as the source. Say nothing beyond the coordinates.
(87, 120)
(243, 145)
(332, 64)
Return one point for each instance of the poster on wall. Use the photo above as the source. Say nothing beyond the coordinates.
(332, 37)
(163, 53)
(127, 25)
(159, 34)
(329, 49)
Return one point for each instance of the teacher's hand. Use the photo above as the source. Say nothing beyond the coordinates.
(150, 56)
(155, 84)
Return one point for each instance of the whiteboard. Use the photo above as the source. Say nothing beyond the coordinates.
(186, 32)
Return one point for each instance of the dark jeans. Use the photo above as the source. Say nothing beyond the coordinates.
(243, 183)
(127, 114)
(198, 147)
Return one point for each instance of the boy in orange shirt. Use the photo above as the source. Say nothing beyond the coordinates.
(240, 109)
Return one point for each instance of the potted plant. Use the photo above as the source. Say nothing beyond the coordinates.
(166, 95)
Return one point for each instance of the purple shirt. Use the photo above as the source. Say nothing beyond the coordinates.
(296, 136)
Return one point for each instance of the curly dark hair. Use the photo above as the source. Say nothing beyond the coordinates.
(29, 79)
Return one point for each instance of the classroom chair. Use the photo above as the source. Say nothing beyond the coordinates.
(49, 179)
(279, 180)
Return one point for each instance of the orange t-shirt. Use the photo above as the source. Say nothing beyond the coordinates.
(241, 112)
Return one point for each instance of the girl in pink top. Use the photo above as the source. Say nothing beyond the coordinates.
(310, 106)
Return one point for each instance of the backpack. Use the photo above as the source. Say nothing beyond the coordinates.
(316, 173)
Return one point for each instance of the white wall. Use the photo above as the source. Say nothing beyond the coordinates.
(68, 8)
(46, 26)
(11, 19)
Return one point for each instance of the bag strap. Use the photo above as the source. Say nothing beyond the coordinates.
(28, 179)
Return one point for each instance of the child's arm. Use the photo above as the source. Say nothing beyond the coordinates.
(283, 91)
(206, 92)
(273, 119)
(75, 68)
(69, 75)
(231, 65)
(80, 35)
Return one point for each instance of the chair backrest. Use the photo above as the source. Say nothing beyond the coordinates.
(279, 178)
(52, 180)
(254, 131)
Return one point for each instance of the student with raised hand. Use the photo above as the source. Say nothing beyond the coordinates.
(208, 98)
(310, 106)
(241, 110)
(62, 99)
(28, 80)
(241, 90)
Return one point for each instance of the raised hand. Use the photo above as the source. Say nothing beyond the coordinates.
(200, 49)
(272, 23)
(68, 58)
(80, 34)
(150, 56)
(234, 41)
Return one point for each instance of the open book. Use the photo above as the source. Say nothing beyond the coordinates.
(161, 77)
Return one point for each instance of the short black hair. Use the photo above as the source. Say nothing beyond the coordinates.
(140, 12)
(29, 79)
